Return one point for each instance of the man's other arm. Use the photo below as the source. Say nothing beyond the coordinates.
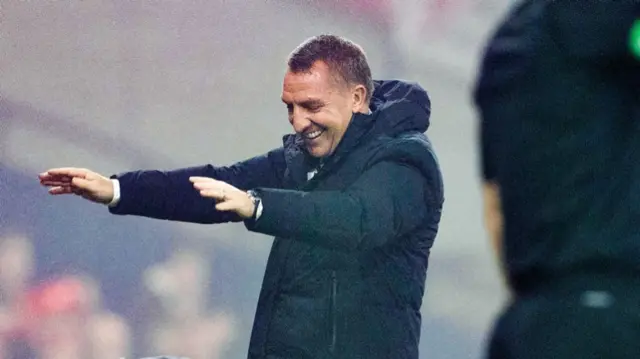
(170, 195)
(387, 201)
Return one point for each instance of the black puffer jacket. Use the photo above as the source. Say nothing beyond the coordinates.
(346, 273)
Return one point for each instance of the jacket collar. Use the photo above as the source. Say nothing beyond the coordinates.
(300, 162)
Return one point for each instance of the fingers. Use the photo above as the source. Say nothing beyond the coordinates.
(66, 189)
(213, 193)
(56, 181)
(228, 197)
(56, 177)
(195, 179)
(205, 183)
(210, 188)
(67, 171)
(60, 190)
(64, 181)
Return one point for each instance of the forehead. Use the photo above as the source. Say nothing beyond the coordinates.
(317, 82)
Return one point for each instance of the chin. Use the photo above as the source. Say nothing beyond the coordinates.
(317, 152)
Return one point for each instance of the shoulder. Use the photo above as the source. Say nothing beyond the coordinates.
(412, 144)
(411, 148)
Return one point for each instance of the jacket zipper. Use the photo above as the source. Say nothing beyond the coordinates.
(334, 312)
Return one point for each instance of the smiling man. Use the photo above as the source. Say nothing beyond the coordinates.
(319, 101)
(353, 197)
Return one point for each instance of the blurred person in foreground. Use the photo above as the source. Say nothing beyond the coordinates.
(558, 96)
(354, 199)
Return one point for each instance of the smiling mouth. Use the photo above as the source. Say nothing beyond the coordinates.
(313, 135)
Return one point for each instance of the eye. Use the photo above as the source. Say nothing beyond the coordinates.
(313, 106)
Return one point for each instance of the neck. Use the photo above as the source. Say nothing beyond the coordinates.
(364, 110)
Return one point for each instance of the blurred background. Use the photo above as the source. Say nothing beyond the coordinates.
(123, 85)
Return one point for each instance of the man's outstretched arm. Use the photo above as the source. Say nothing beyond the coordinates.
(167, 194)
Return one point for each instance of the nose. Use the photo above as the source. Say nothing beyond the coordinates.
(299, 121)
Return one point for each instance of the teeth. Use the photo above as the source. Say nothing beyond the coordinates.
(313, 134)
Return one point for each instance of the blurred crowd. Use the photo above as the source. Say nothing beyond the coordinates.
(63, 317)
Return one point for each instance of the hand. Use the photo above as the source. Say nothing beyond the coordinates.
(82, 182)
(228, 197)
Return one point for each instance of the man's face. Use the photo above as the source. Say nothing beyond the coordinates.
(320, 108)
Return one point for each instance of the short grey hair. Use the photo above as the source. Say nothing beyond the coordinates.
(345, 59)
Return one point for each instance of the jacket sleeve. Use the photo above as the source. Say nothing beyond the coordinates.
(170, 195)
(387, 201)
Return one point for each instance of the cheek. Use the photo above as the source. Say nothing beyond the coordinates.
(340, 122)
(335, 121)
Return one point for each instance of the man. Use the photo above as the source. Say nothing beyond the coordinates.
(558, 96)
(353, 198)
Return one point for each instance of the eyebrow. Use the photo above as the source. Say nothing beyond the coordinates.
(307, 103)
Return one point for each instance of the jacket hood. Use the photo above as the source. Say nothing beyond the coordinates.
(400, 107)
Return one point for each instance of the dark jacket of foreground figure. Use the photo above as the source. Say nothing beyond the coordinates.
(346, 273)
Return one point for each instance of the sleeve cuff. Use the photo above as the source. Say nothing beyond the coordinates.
(259, 210)
(116, 193)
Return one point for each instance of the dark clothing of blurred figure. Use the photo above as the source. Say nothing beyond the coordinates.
(558, 95)
(346, 273)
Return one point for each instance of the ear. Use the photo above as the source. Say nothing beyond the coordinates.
(359, 99)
